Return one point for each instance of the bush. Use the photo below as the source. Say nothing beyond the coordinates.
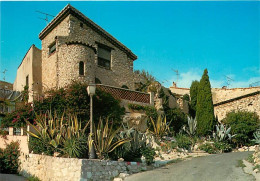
(183, 141)
(9, 162)
(74, 99)
(19, 117)
(223, 147)
(149, 154)
(177, 117)
(209, 148)
(243, 125)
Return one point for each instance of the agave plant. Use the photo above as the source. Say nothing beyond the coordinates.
(63, 135)
(192, 126)
(257, 136)
(160, 127)
(222, 133)
(105, 139)
(131, 151)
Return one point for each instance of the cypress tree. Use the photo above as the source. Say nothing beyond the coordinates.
(204, 109)
(193, 97)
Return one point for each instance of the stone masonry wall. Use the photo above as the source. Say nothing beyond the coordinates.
(49, 168)
(251, 103)
(49, 62)
(74, 44)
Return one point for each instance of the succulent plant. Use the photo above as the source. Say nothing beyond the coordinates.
(222, 133)
(192, 126)
(257, 136)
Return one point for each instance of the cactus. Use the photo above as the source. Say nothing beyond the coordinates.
(192, 126)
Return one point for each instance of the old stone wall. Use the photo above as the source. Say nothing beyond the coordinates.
(223, 94)
(75, 43)
(73, 169)
(49, 61)
(251, 103)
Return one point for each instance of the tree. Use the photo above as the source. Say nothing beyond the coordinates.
(204, 108)
(193, 97)
(147, 79)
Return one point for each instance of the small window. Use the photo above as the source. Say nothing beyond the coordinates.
(27, 81)
(81, 25)
(52, 48)
(81, 68)
(104, 57)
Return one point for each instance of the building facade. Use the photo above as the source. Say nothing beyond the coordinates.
(74, 48)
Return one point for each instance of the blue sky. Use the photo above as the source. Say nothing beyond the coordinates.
(223, 37)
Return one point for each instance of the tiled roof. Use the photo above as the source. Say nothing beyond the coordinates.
(71, 10)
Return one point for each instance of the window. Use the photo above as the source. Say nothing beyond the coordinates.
(104, 57)
(27, 81)
(81, 25)
(81, 68)
(52, 48)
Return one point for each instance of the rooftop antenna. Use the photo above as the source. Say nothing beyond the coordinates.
(177, 73)
(254, 84)
(4, 74)
(46, 16)
(229, 81)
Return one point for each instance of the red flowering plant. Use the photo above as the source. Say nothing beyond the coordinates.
(19, 117)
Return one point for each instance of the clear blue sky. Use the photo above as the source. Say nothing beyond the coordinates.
(188, 36)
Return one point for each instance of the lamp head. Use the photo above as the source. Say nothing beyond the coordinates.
(91, 89)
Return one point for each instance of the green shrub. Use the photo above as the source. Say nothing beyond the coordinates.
(183, 141)
(177, 117)
(38, 146)
(186, 97)
(223, 147)
(74, 99)
(149, 154)
(204, 107)
(9, 161)
(209, 148)
(243, 125)
(32, 178)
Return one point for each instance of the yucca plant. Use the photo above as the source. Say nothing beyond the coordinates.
(105, 139)
(192, 126)
(160, 127)
(60, 134)
(222, 133)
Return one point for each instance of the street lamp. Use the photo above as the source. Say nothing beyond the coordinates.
(91, 91)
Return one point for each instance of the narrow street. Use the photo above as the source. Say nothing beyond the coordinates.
(221, 167)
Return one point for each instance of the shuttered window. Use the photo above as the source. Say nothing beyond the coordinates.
(104, 57)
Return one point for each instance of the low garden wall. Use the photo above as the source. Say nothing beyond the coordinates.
(56, 168)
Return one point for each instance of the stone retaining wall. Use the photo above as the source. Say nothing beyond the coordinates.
(72, 169)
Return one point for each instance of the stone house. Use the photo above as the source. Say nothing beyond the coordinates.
(226, 100)
(74, 48)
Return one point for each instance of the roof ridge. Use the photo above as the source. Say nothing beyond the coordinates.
(96, 27)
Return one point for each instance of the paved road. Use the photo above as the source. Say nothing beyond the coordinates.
(11, 177)
(221, 167)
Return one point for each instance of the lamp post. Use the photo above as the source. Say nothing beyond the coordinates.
(91, 91)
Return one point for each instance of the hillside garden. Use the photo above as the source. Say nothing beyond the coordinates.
(60, 123)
